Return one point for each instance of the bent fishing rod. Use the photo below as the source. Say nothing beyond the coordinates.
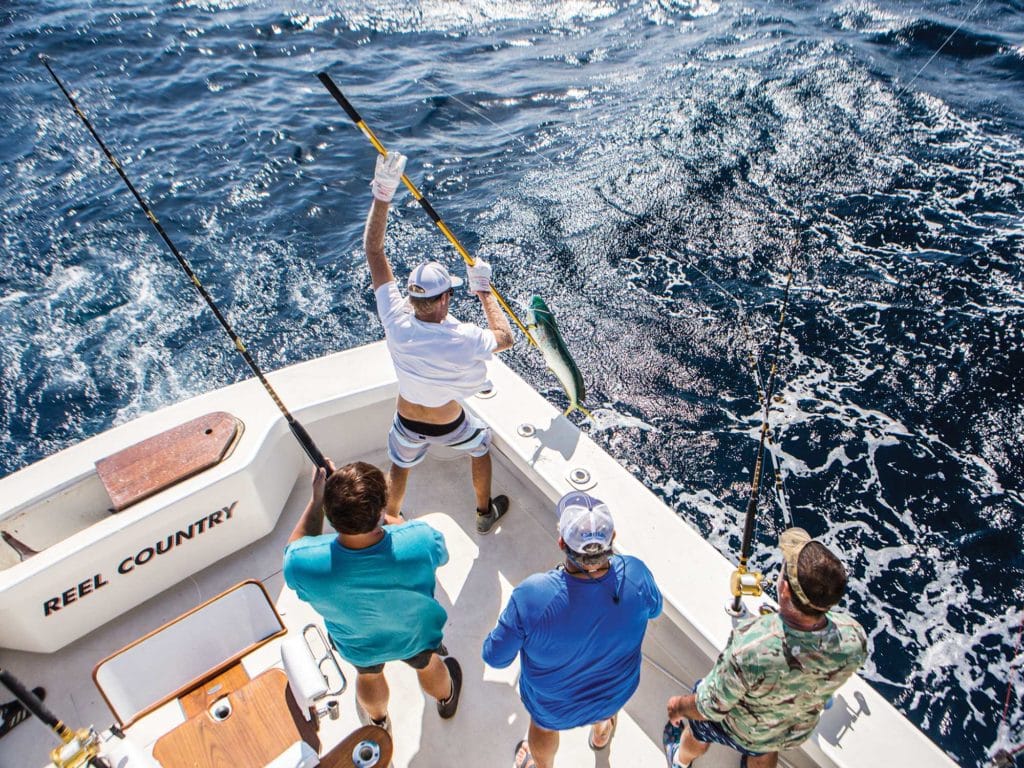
(744, 582)
(297, 429)
(424, 203)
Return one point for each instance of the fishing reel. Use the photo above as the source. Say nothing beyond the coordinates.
(80, 748)
(743, 583)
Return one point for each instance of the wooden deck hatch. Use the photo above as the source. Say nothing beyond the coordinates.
(158, 462)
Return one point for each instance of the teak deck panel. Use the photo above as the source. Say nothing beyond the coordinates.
(148, 467)
(264, 722)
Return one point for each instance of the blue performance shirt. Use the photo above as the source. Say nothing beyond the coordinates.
(579, 649)
(378, 603)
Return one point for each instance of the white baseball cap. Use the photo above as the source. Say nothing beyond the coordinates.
(431, 279)
(585, 523)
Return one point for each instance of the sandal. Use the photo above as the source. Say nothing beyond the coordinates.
(611, 735)
(526, 761)
(671, 736)
(13, 712)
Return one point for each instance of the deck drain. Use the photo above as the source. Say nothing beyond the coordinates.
(366, 754)
(526, 430)
(487, 394)
(581, 478)
(221, 709)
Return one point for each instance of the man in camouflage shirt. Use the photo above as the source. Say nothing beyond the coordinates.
(768, 688)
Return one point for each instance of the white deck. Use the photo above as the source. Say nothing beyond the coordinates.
(473, 587)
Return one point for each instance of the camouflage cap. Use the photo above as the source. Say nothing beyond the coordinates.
(792, 543)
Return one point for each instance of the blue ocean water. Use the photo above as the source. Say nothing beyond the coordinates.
(652, 168)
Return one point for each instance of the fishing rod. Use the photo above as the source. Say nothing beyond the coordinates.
(424, 203)
(744, 582)
(297, 429)
(78, 748)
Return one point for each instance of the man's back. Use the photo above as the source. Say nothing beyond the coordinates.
(579, 641)
(435, 362)
(378, 602)
(771, 683)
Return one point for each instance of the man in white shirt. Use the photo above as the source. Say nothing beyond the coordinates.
(438, 360)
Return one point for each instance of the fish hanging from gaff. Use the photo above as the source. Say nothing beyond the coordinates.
(544, 329)
(540, 328)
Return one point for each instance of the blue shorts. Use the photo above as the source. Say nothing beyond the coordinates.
(708, 731)
(407, 447)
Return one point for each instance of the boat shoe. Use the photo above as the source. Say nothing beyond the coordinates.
(446, 708)
(496, 509)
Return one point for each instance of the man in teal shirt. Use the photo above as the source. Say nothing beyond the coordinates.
(373, 583)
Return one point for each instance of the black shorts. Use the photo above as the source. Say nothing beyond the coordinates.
(420, 661)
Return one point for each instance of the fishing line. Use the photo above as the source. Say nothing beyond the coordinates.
(297, 429)
(1004, 757)
(939, 49)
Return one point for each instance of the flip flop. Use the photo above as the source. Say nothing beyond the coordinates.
(611, 735)
(13, 712)
(527, 761)
(671, 736)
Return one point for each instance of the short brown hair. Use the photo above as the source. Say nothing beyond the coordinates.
(421, 306)
(354, 497)
(822, 577)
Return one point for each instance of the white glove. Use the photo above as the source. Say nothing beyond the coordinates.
(479, 277)
(388, 175)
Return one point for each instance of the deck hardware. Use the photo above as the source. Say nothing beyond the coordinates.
(221, 709)
(581, 478)
(314, 638)
(366, 754)
(487, 394)
(526, 430)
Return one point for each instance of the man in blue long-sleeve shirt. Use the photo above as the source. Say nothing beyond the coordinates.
(577, 630)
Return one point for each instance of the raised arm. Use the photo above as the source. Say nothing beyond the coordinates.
(480, 283)
(386, 178)
(311, 523)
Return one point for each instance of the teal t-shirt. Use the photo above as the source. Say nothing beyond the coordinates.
(378, 603)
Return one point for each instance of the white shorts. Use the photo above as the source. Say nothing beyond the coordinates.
(407, 447)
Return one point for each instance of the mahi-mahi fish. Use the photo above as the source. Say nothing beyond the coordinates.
(541, 324)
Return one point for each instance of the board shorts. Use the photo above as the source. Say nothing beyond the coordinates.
(709, 731)
(408, 441)
(420, 661)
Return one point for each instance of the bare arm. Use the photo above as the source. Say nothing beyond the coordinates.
(496, 321)
(311, 523)
(373, 243)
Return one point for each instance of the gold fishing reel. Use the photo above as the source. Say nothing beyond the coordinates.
(80, 748)
(744, 583)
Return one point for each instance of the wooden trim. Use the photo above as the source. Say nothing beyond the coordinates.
(205, 676)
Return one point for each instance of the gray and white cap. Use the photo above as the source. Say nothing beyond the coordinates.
(585, 523)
